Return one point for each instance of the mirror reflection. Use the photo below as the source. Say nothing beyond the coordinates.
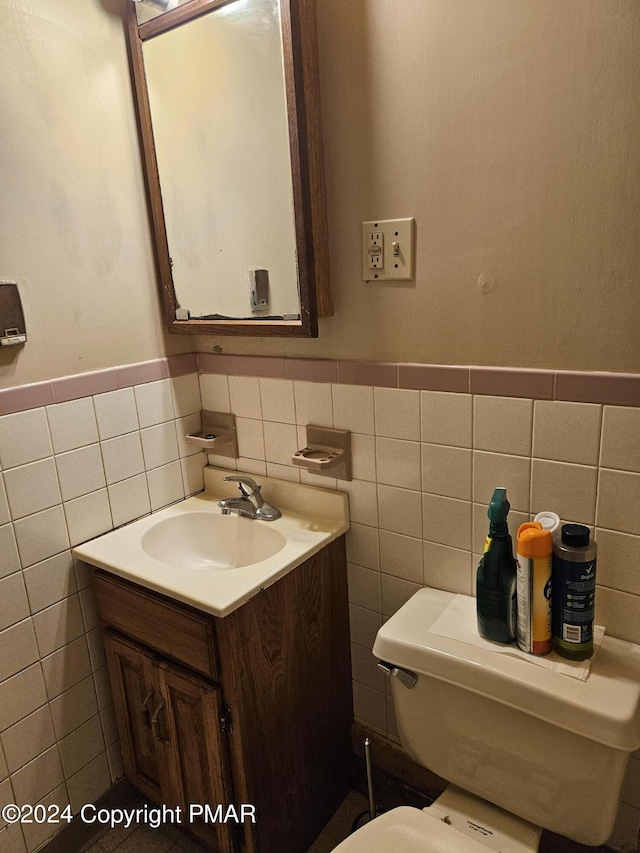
(218, 107)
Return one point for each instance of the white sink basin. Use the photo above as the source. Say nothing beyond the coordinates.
(191, 552)
(204, 541)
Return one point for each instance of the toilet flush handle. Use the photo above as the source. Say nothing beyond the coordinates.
(404, 676)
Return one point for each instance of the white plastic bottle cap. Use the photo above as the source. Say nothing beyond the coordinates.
(549, 521)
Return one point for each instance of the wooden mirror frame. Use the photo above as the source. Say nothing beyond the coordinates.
(300, 49)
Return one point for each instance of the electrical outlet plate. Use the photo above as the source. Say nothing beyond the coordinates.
(388, 248)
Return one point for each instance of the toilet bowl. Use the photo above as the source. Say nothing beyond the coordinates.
(457, 822)
(523, 747)
(409, 830)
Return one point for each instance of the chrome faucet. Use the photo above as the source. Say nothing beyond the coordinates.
(251, 504)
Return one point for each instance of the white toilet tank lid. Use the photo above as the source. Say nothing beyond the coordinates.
(409, 830)
(604, 708)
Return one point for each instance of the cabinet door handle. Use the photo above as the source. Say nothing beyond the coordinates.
(155, 720)
(146, 714)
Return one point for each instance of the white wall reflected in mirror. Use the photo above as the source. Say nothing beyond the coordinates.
(219, 115)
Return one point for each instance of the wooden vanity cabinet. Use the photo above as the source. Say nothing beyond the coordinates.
(134, 691)
(255, 708)
(172, 743)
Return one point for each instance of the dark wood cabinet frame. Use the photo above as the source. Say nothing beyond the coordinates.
(253, 708)
(298, 21)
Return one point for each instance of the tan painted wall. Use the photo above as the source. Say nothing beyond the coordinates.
(510, 129)
(73, 223)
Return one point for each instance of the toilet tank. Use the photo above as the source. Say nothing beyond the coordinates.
(545, 746)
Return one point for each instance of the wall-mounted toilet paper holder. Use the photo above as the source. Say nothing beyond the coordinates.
(328, 452)
(218, 434)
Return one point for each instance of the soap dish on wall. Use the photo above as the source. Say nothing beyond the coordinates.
(218, 434)
(328, 452)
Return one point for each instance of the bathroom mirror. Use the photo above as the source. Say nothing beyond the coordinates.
(229, 119)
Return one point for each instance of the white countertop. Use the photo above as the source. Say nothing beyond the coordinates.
(311, 518)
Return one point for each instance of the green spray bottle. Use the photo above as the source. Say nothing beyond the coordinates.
(496, 577)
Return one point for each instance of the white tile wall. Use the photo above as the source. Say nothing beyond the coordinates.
(5, 515)
(72, 425)
(19, 648)
(185, 426)
(11, 838)
(620, 439)
(165, 485)
(21, 694)
(66, 666)
(116, 413)
(9, 550)
(81, 746)
(24, 438)
(503, 424)
(244, 395)
(276, 396)
(50, 581)
(88, 516)
(31, 488)
(186, 395)
(129, 499)
(568, 432)
(36, 834)
(4, 770)
(28, 738)
(154, 401)
(425, 465)
(214, 391)
(397, 413)
(400, 510)
(353, 408)
(80, 471)
(122, 457)
(41, 535)
(398, 462)
(446, 418)
(58, 625)
(39, 777)
(69, 472)
(313, 403)
(13, 600)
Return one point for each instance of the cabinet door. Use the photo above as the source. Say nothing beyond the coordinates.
(136, 697)
(195, 751)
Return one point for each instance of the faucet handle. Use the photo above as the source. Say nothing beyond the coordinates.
(246, 485)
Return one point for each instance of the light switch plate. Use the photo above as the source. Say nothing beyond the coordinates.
(397, 238)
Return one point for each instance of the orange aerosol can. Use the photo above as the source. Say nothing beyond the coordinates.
(533, 588)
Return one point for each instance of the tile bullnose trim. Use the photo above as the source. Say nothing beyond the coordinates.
(142, 372)
(183, 364)
(84, 385)
(382, 374)
(63, 389)
(621, 389)
(311, 369)
(617, 389)
(24, 397)
(434, 377)
(266, 366)
(512, 382)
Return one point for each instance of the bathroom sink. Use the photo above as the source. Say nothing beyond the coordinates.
(204, 541)
(191, 552)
